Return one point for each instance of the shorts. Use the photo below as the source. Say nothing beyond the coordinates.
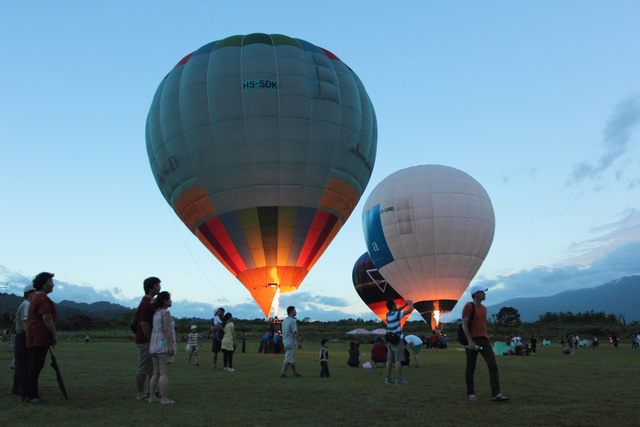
(290, 354)
(145, 364)
(193, 351)
(217, 346)
(395, 353)
(163, 358)
(417, 348)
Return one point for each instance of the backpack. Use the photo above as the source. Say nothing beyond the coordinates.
(134, 323)
(461, 337)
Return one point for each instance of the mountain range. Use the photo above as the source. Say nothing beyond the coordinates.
(618, 297)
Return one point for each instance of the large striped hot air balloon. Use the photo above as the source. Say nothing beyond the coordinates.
(373, 289)
(263, 145)
(428, 229)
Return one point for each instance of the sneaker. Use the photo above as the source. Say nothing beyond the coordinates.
(400, 381)
(389, 380)
(37, 401)
(500, 398)
(230, 370)
(225, 369)
(472, 397)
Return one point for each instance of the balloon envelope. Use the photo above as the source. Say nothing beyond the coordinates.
(263, 145)
(428, 229)
(373, 289)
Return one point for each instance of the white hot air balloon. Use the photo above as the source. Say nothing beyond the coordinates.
(428, 229)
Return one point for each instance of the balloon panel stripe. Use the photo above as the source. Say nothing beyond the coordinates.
(235, 230)
(253, 254)
(268, 217)
(320, 229)
(214, 232)
(374, 235)
(286, 231)
(302, 226)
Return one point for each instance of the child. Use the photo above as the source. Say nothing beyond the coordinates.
(193, 344)
(324, 359)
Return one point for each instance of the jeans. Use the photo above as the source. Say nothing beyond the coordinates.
(324, 370)
(35, 362)
(20, 354)
(489, 358)
(227, 358)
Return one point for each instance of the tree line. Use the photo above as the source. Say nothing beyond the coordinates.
(506, 322)
(554, 325)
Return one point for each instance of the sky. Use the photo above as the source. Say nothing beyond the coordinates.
(538, 101)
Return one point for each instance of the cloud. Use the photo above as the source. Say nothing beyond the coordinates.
(616, 137)
(610, 237)
(545, 281)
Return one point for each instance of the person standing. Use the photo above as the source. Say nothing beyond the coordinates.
(228, 344)
(534, 341)
(20, 345)
(162, 348)
(193, 344)
(395, 352)
(40, 335)
(476, 332)
(216, 324)
(291, 341)
(144, 370)
(324, 358)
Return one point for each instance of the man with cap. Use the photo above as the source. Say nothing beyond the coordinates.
(20, 346)
(474, 325)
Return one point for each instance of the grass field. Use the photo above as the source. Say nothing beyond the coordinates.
(595, 387)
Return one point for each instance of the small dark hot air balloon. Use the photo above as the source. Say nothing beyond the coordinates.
(373, 289)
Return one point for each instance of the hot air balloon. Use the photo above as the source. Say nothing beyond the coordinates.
(428, 229)
(373, 289)
(262, 145)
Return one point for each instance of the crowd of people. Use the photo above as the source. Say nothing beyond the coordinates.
(155, 338)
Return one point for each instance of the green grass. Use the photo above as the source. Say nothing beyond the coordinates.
(595, 387)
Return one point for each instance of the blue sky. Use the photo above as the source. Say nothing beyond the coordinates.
(538, 101)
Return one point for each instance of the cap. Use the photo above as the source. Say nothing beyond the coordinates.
(29, 288)
(194, 327)
(478, 288)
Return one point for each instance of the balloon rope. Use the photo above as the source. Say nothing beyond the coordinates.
(175, 223)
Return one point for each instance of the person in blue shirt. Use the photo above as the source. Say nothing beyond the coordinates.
(395, 352)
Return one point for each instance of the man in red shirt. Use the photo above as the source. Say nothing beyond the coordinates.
(40, 334)
(474, 325)
(145, 312)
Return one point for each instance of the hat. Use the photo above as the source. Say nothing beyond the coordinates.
(29, 288)
(478, 288)
(194, 327)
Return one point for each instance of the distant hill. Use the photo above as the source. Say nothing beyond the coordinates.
(98, 310)
(621, 296)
